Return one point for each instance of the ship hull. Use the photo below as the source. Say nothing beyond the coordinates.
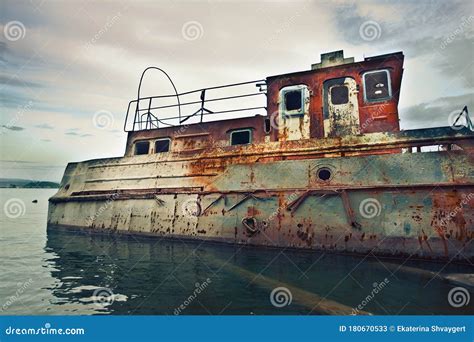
(398, 204)
(321, 224)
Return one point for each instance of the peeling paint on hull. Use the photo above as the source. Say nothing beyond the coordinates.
(402, 204)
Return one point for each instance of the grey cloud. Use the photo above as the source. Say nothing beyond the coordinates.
(44, 126)
(76, 133)
(434, 113)
(15, 81)
(441, 32)
(13, 128)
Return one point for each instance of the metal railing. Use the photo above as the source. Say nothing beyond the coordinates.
(149, 114)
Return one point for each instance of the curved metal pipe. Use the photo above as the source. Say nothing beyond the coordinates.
(139, 88)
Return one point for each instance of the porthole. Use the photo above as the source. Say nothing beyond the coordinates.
(324, 174)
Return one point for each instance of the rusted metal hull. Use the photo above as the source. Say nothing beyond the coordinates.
(271, 194)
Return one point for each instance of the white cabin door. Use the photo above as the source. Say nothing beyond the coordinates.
(293, 119)
(341, 108)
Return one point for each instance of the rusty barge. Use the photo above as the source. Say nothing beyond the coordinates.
(321, 164)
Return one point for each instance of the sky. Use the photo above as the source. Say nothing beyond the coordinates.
(68, 69)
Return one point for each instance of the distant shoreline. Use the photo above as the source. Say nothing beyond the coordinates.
(29, 185)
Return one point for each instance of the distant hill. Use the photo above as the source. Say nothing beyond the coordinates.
(27, 184)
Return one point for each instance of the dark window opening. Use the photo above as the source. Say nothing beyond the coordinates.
(339, 95)
(162, 146)
(324, 174)
(267, 127)
(293, 100)
(240, 137)
(142, 147)
(377, 86)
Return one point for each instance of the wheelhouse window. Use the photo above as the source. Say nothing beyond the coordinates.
(241, 137)
(339, 95)
(377, 86)
(142, 147)
(293, 99)
(162, 145)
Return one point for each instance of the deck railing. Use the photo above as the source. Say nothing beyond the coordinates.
(157, 112)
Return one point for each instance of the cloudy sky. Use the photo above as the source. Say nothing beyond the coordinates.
(68, 69)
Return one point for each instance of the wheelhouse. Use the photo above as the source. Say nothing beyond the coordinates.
(336, 97)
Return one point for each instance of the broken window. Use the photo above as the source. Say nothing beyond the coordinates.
(339, 95)
(377, 85)
(142, 147)
(293, 100)
(241, 137)
(162, 145)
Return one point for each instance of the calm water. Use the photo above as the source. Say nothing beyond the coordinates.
(63, 273)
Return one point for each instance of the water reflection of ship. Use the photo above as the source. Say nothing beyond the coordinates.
(149, 276)
(129, 269)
